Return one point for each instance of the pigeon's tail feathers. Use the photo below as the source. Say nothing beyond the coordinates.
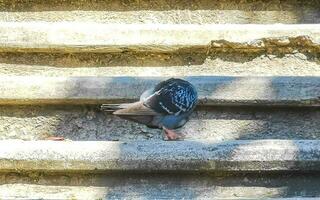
(112, 107)
(139, 113)
(136, 109)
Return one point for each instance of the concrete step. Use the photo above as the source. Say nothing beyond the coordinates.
(216, 124)
(159, 186)
(162, 11)
(213, 90)
(141, 156)
(94, 37)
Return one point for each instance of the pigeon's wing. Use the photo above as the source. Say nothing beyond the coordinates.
(113, 107)
(172, 97)
(139, 113)
(146, 94)
(137, 108)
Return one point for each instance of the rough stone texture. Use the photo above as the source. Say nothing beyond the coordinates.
(218, 124)
(187, 156)
(159, 186)
(191, 64)
(94, 37)
(212, 90)
(163, 11)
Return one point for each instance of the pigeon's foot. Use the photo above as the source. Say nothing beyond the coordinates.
(171, 135)
(53, 138)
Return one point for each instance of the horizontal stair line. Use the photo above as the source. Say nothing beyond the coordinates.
(197, 155)
(212, 90)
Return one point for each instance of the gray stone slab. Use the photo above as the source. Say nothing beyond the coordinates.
(94, 37)
(189, 156)
(213, 90)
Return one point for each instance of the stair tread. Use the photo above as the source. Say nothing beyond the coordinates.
(213, 90)
(94, 37)
(196, 156)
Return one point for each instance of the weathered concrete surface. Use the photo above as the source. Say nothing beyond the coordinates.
(216, 124)
(212, 90)
(163, 11)
(189, 156)
(94, 37)
(87, 123)
(190, 64)
(159, 186)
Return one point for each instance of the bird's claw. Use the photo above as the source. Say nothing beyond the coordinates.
(170, 135)
(54, 138)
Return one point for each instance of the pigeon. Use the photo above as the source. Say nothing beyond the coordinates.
(167, 106)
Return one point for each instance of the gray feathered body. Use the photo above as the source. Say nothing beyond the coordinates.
(169, 104)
